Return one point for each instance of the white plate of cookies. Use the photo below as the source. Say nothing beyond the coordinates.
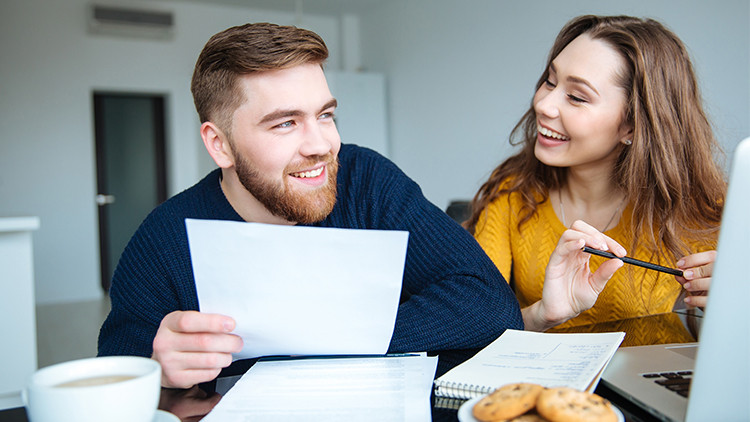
(527, 402)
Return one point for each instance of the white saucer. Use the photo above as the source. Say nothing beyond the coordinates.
(464, 412)
(465, 415)
(164, 416)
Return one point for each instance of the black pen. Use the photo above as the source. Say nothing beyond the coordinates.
(633, 261)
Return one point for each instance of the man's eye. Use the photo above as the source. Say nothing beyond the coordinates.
(328, 115)
(286, 124)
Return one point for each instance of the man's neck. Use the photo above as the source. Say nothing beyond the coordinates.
(246, 205)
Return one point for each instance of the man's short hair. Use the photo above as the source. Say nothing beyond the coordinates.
(242, 50)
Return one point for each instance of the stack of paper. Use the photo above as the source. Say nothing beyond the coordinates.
(331, 389)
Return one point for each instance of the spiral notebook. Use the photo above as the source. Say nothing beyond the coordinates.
(574, 360)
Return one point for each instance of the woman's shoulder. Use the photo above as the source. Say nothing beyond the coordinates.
(513, 190)
(511, 198)
(511, 181)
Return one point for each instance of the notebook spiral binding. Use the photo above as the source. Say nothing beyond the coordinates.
(448, 403)
(458, 390)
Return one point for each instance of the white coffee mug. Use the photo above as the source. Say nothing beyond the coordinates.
(113, 389)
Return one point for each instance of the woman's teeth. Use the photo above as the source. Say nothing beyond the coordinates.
(552, 134)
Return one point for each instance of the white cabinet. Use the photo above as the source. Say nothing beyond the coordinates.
(18, 329)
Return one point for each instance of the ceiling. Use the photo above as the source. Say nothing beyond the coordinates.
(318, 7)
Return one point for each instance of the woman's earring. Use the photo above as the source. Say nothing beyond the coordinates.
(627, 142)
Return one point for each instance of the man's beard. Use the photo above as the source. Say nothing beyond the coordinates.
(282, 201)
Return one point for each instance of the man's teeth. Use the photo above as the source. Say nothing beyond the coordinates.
(551, 134)
(311, 173)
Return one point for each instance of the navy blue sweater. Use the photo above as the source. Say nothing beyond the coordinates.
(453, 299)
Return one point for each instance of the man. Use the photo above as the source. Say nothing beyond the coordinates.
(267, 121)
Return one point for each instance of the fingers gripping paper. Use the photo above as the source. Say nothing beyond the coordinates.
(300, 290)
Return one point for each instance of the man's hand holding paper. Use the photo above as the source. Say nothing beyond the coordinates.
(193, 347)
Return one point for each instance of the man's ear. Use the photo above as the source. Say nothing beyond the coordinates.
(217, 145)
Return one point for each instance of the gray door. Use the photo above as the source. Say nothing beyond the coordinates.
(130, 164)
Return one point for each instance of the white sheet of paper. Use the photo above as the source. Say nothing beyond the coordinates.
(300, 290)
(340, 389)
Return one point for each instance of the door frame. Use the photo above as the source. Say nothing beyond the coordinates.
(160, 155)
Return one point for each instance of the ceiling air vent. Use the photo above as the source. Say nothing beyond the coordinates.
(114, 20)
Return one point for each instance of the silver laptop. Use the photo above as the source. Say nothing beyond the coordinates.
(720, 364)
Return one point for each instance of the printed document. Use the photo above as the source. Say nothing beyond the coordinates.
(331, 389)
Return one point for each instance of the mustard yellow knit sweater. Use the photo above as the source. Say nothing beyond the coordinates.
(521, 256)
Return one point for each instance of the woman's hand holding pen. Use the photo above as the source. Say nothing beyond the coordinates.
(571, 288)
(569, 285)
(696, 276)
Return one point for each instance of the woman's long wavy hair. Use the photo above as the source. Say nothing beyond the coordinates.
(669, 174)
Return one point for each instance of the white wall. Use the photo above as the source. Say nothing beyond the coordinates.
(49, 67)
(460, 74)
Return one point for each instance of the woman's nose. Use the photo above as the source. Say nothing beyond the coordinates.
(545, 103)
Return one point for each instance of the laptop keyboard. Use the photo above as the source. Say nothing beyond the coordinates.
(678, 381)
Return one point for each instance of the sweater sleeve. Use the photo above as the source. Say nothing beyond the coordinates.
(140, 298)
(152, 279)
(453, 296)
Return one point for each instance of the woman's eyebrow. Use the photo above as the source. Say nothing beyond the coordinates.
(576, 79)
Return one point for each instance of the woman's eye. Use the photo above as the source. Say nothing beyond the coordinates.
(549, 83)
(576, 99)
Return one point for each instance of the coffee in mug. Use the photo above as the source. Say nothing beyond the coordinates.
(89, 381)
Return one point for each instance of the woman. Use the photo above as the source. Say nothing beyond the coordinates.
(616, 142)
